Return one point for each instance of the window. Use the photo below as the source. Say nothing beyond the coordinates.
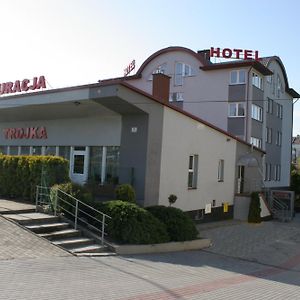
(236, 109)
(160, 69)
(268, 172)
(270, 106)
(178, 96)
(238, 77)
(221, 170)
(279, 111)
(279, 87)
(3, 149)
(36, 150)
(279, 138)
(257, 81)
(277, 172)
(255, 142)
(182, 70)
(193, 171)
(256, 112)
(269, 135)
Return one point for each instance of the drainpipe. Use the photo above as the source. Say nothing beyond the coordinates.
(247, 104)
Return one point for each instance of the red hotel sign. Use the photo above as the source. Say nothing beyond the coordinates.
(25, 133)
(234, 53)
(22, 85)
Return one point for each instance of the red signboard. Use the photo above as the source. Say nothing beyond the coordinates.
(129, 68)
(234, 53)
(25, 133)
(23, 85)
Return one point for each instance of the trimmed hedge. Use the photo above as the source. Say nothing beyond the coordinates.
(19, 175)
(125, 192)
(254, 209)
(133, 225)
(180, 226)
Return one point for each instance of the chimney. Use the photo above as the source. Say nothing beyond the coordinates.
(161, 87)
(204, 54)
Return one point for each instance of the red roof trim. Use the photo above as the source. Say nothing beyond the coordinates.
(133, 88)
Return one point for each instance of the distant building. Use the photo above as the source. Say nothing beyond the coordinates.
(250, 99)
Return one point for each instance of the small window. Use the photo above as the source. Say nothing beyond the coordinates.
(279, 87)
(193, 171)
(255, 142)
(238, 77)
(269, 135)
(178, 96)
(160, 69)
(279, 111)
(256, 112)
(36, 150)
(3, 149)
(268, 172)
(257, 81)
(236, 109)
(270, 106)
(182, 70)
(221, 170)
(279, 138)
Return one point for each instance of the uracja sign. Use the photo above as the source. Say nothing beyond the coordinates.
(23, 85)
(25, 133)
(234, 53)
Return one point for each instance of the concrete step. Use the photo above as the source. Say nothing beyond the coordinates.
(60, 234)
(76, 242)
(32, 218)
(48, 227)
(95, 248)
(18, 211)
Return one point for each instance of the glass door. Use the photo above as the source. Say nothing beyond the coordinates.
(79, 164)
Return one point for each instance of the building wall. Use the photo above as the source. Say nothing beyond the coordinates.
(279, 154)
(204, 94)
(210, 146)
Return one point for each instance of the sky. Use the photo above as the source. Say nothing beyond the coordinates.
(73, 42)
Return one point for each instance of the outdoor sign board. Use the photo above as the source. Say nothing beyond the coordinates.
(234, 53)
(22, 85)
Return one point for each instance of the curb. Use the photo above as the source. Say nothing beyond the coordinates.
(163, 247)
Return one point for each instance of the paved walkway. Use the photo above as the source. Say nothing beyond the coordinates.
(32, 268)
(269, 243)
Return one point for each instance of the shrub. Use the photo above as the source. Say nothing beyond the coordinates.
(125, 192)
(67, 204)
(180, 226)
(172, 199)
(19, 175)
(254, 209)
(134, 225)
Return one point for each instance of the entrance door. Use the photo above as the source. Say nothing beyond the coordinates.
(79, 164)
(241, 179)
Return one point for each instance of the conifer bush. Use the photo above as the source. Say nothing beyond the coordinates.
(254, 209)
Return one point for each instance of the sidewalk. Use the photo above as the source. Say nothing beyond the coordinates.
(270, 243)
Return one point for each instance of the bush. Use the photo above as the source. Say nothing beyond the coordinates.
(67, 204)
(254, 209)
(19, 175)
(125, 192)
(133, 225)
(180, 226)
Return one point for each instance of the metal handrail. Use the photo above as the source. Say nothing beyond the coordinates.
(43, 192)
(278, 206)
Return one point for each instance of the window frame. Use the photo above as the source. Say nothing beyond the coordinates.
(178, 76)
(256, 112)
(221, 169)
(193, 171)
(257, 81)
(238, 77)
(237, 104)
(257, 142)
